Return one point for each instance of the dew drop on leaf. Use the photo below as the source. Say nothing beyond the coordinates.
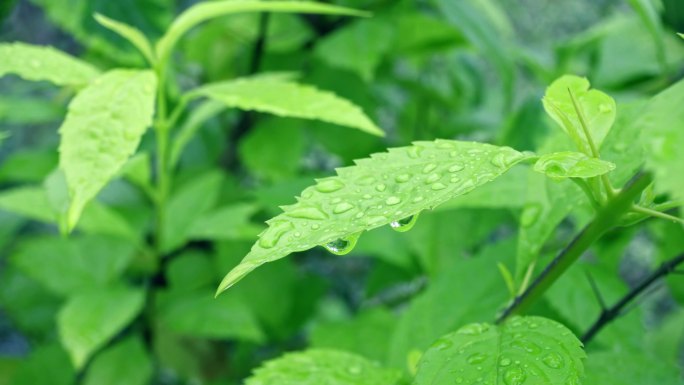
(476, 358)
(505, 361)
(553, 360)
(305, 212)
(405, 224)
(365, 181)
(473, 329)
(432, 178)
(343, 207)
(457, 167)
(329, 185)
(393, 200)
(514, 376)
(381, 187)
(429, 168)
(275, 231)
(417, 199)
(344, 245)
(402, 178)
(414, 152)
(438, 186)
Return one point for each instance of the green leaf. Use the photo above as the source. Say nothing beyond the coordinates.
(622, 367)
(15, 109)
(44, 63)
(186, 206)
(646, 9)
(202, 12)
(198, 116)
(126, 362)
(263, 153)
(358, 47)
(597, 108)
(319, 366)
(198, 314)
(90, 319)
(569, 164)
(69, 266)
(280, 97)
(388, 187)
(133, 35)
(660, 125)
(102, 130)
(524, 350)
(47, 364)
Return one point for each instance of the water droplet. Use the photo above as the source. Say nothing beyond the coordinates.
(381, 187)
(529, 347)
(367, 196)
(308, 193)
(459, 380)
(405, 224)
(443, 344)
(473, 329)
(391, 201)
(402, 178)
(329, 185)
(336, 200)
(604, 108)
(432, 178)
(343, 245)
(438, 186)
(414, 152)
(529, 215)
(275, 231)
(514, 376)
(454, 180)
(359, 215)
(476, 358)
(306, 212)
(417, 199)
(429, 168)
(366, 180)
(343, 207)
(456, 167)
(505, 361)
(553, 360)
(315, 226)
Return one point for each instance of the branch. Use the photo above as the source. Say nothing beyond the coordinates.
(607, 218)
(608, 315)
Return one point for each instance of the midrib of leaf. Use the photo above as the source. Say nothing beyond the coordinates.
(372, 194)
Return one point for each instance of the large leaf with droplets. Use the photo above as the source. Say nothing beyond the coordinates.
(597, 108)
(102, 130)
(388, 188)
(44, 63)
(279, 96)
(319, 366)
(205, 11)
(524, 350)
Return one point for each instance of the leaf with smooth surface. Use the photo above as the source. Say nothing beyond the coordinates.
(624, 367)
(524, 350)
(44, 63)
(598, 109)
(102, 130)
(126, 362)
(90, 319)
(205, 11)
(133, 35)
(319, 366)
(281, 97)
(225, 223)
(388, 187)
(568, 164)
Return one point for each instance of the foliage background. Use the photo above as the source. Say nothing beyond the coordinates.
(472, 70)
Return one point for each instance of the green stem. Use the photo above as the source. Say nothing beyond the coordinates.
(608, 217)
(656, 214)
(588, 192)
(163, 177)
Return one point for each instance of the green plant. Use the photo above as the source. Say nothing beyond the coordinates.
(151, 219)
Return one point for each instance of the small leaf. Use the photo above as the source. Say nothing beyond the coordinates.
(524, 350)
(102, 130)
(205, 11)
(226, 223)
(386, 188)
(319, 366)
(90, 319)
(133, 35)
(568, 164)
(280, 97)
(598, 109)
(37, 63)
(127, 361)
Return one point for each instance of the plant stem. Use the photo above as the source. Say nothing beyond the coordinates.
(163, 177)
(605, 219)
(608, 315)
(656, 214)
(588, 192)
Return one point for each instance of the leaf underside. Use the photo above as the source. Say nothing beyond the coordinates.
(385, 188)
(524, 350)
